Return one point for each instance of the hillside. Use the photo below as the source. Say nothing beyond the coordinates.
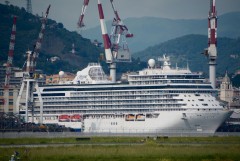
(150, 31)
(188, 48)
(57, 41)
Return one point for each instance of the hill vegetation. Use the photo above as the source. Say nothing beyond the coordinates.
(188, 49)
(57, 41)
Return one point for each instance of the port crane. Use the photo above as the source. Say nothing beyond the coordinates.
(29, 83)
(9, 65)
(211, 51)
(119, 31)
(115, 45)
(84, 8)
(29, 6)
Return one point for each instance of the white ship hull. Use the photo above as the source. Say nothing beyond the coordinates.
(191, 121)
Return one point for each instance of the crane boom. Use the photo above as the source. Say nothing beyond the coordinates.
(107, 44)
(10, 52)
(115, 11)
(80, 21)
(119, 23)
(38, 45)
(212, 27)
(106, 39)
(119, 32)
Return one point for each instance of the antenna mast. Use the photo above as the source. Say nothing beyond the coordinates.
(29, 6)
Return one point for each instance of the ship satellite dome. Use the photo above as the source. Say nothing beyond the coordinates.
(61, 73)
(151, 63)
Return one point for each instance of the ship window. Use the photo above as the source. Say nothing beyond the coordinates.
(10, 101)
(10, 92)
(53, 94)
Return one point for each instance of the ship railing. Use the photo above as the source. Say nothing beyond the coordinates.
(93, 64)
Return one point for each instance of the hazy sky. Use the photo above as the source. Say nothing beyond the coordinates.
(68, 11)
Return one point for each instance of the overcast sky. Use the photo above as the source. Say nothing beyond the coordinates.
(68, 11)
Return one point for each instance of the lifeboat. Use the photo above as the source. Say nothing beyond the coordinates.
(76, 118)
(140, 117)
(64, 118)
(130, 117)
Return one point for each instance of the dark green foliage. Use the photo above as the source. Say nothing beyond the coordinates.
(236, 81)
(188, 49)
(57, 41)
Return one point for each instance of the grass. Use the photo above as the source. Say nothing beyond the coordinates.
(210, 140)
(163, 149)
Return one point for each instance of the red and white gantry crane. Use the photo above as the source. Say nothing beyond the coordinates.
(84, 7)
(38, 45)
(211, 51)
(118, 34)
(115, 45)
(10, 52)
(9, 65)
(29, 82)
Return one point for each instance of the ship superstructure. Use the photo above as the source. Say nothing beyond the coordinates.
(154, 100)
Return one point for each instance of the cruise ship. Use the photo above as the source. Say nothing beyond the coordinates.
(158, 99)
